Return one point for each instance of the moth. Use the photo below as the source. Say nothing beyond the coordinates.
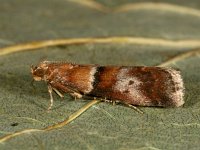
(130, 85)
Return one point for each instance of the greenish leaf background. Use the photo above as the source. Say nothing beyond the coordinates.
(103, 126)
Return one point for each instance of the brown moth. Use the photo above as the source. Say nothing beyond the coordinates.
(131, 85)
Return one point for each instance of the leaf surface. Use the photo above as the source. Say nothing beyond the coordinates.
(120, 33)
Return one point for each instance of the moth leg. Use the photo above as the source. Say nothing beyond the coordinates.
(108, 101)
(58, 92)
(51, 97)
(135, 108)
(129, 105)
(76, 95)
(113, 102)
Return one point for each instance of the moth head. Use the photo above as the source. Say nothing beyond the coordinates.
(39, 72)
